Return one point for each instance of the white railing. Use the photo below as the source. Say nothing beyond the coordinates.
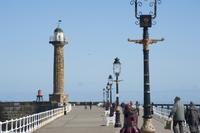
(163, 113)
(33, 122)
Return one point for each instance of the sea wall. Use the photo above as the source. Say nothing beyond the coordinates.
(13, 110)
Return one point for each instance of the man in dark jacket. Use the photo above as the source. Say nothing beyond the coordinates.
(178, 114)
(192, 118)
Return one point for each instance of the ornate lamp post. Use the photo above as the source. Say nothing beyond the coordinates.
(107, 97)
(116, 71)
(145, 21)
(110, 82)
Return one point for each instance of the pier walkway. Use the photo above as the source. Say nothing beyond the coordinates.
(81, 120)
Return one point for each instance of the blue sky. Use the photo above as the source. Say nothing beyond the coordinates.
(97, 31)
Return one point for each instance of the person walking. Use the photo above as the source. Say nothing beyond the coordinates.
(193, 118)
(178, 115)
(130, 120)
(85, 105)
(137, 107)
(90, 105)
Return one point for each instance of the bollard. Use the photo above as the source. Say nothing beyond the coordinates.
(65, 112)
(65, 109)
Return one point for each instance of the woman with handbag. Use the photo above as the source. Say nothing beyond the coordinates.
(130, 120)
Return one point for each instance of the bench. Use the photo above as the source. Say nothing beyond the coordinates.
(110, 120)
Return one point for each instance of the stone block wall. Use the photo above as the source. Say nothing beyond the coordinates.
(13, 110)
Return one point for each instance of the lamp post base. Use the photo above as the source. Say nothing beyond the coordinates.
(117, 118)
(147, 126)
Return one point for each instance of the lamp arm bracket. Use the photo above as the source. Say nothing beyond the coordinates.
(117, 80)
(136, 41)
(151, 41)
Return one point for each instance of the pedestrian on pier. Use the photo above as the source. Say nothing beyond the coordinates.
(193, 118)
(178, 115)
(130, 120)
(90, 105)
(137, 107)
(85, 105)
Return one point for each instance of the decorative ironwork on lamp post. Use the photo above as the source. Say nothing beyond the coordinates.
(145, 21)
(110, 82)
(116, 71)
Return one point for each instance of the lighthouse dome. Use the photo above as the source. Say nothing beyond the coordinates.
(58, 29)
(58, 37)
(59, 34)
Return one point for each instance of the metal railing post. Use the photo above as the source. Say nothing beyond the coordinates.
(0, 127)
(11, 122)
(6, 126)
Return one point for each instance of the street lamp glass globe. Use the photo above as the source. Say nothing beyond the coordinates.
(110, 80)
(116, 67)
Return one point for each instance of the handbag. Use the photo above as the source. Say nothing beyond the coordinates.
(168, 124)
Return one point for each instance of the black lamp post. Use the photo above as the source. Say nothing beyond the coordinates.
(103, 97)
(145, 21)
(110, 82)
(107, 97)
(116, 71)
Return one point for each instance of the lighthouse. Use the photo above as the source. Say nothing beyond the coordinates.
(58, 41)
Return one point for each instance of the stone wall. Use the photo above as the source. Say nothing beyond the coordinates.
(13, 110)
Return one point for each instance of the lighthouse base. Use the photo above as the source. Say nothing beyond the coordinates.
(60, 99)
